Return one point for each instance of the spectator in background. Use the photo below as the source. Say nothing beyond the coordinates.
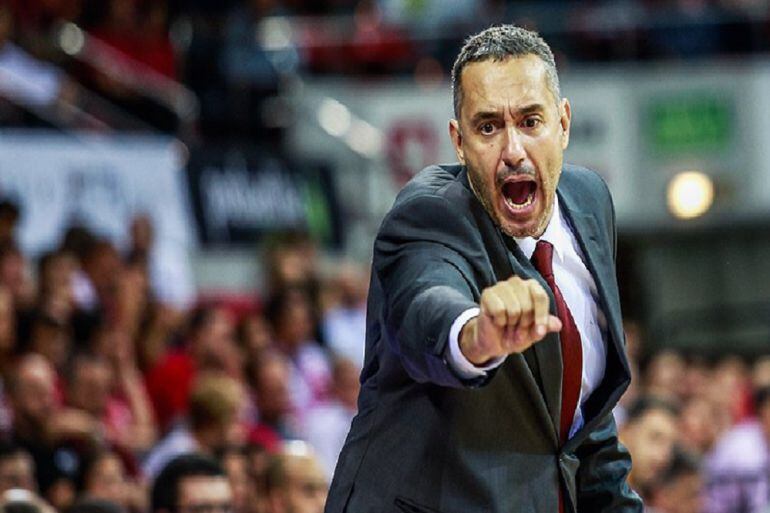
(115, 395)
(191, 483)
(209, 345)
(52, 435)
(760, 372)
(17, 469)
(292, 262)
(649, 434)
(270, 378)
(95, 288)
(259, 456)
(55, 277)
(255, 336)
(213, 423)
(291, 312)
(296, 481)
(663, 375)
(235, 463)
(737, 471)
(327, 425)
(697, 377)
(730, 390)
(132, 297)
(158, 330)
(103, 476)
(679, 487)
(50, 338)
(697, 429)
(344, 324)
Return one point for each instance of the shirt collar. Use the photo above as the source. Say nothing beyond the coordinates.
(555, 233)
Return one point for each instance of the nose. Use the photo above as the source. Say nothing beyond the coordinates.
(513, 152)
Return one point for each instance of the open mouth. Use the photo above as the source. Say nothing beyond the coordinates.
(519, 194)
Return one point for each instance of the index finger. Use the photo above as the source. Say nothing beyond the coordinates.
(540, 307)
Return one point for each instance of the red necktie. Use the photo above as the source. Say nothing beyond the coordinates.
(571, 348)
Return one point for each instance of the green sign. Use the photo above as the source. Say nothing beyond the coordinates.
(690, 122)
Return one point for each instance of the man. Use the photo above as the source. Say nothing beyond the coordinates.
(295, 481)
(650, 433)
(462, 395)
(17, 469)
(679, 488)
(192, 483)
(270, 378)
(213, 423)
(210, 346)
(50, 433)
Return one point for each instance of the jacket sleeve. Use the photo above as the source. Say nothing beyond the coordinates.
(602, 485)
(422, 265)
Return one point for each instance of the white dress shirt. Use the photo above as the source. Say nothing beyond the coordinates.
(580, 293)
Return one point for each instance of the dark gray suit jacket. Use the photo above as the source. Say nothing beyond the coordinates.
(425, 440)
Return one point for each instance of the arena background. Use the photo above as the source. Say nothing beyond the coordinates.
(196, 169)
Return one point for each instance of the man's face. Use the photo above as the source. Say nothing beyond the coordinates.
(511, 135)
(107, 480)
(650, 439)
(205, 494)
(273, 394)
(34, 398)
(17, 471)
(90, 387)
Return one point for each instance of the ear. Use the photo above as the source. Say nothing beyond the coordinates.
(565, 121)
(457, 139)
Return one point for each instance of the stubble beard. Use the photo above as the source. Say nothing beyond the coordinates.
(483, 191)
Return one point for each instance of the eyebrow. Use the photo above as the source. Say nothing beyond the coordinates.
(495, 114)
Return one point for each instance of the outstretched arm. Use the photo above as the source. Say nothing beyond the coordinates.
(424, 264)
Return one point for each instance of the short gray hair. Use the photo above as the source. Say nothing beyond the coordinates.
(500, 43)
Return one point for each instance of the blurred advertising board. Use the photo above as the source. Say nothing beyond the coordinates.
(101, 183)
(240, 196)
(639, 126)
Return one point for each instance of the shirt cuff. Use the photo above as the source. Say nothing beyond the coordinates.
(456, 359)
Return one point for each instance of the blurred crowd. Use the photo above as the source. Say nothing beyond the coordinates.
(238, 56)
(110, 400)
(698, 430)
(113, 401)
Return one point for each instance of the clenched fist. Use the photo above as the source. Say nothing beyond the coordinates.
(514, 315)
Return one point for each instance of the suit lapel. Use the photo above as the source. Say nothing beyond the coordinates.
(596, 250)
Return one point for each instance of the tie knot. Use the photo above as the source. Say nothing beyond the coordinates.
(542, 258)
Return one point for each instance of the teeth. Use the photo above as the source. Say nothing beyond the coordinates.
(516, 206)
